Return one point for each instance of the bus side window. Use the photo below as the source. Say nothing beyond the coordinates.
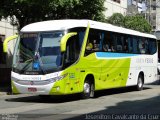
(93, 42)
(125, 44)
(141, 45)
(108, 42)
(114, 42)
(120, 42)
(152, 46)
(146, 46)
(106, 46)
(135, 44)
(101, 35)
(130, 44)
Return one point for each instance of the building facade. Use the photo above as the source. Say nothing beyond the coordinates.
(6, 30)
(150, 9)
(115, 6)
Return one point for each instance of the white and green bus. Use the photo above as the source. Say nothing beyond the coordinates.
(62, 57)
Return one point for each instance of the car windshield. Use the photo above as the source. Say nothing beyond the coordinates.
(38, 52)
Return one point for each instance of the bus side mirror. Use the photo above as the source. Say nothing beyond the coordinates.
(5, 43)
(65, 39)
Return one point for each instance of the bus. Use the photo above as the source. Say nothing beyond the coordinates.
(157, 34)
(61, 57)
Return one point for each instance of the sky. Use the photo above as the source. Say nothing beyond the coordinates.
(129, 2)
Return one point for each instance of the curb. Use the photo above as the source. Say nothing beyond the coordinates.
(3, 93)
(4, 90)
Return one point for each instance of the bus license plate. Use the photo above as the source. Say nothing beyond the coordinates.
(32, 89)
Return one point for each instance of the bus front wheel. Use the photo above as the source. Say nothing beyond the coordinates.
(88, 90)
(140, 83)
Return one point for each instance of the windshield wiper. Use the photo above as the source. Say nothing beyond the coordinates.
(27, 65)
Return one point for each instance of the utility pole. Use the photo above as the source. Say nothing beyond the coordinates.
(145, 14)
(150, 11)
(137, 4)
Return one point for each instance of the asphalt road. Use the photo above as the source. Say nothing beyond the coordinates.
(125, 103)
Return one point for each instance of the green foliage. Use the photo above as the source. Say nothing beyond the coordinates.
(28, 11)
(136, 22)
(116, 19)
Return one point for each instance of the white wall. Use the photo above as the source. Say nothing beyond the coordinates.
(114, 7)
(6, 28)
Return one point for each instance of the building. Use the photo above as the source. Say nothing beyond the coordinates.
(150, 9)
(6, 30)
(115, 6)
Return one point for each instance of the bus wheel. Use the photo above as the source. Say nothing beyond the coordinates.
(88, 90)
(140, 83)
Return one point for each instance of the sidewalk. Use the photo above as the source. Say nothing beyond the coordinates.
(4, 90)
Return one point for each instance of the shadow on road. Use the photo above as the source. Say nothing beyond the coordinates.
(116, 91)
(147, 109)
(45, 99)
(69, 98)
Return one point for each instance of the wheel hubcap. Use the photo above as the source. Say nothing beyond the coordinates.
(92, 91)
(140, 83)
(86, 88)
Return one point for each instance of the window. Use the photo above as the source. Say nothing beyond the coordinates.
(130, 43)
(118, 1)
(152, 46)
(154, 17)
(107, 41)
(159, 52)
(118, 42)
(154, 27)
(27, 45)
(142, 46)
(2, 55)
(154, 7)
(73, 46)
(94, 42)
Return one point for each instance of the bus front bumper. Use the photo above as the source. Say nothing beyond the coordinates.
(35, 89)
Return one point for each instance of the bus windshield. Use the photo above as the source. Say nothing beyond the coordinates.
(38, 53)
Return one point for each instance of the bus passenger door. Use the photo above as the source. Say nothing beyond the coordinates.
(71, 55)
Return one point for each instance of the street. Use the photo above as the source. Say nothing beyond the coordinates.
(121, 103)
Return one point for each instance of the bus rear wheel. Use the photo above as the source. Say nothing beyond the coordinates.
(88, 90)
(140, 83)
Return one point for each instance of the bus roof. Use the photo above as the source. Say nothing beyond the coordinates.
(54, 25)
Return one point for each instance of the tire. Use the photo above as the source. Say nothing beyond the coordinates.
(88, 90)
(158, 71)
(140, 83)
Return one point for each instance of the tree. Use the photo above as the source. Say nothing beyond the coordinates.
(116, 19)
(136, 22)
(23, 12)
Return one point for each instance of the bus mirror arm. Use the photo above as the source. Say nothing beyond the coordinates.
(5, 43)
(65, 39)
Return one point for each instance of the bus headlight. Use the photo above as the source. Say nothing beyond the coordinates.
(58, 78)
